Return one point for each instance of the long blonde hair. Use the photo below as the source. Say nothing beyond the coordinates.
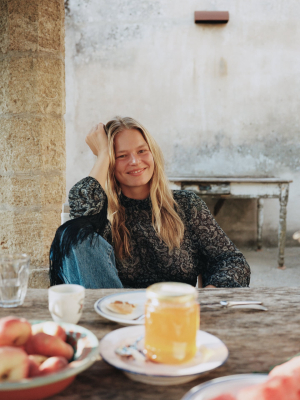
(165, 219)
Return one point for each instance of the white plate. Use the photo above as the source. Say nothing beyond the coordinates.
(137, 297)
(212, 353)
(229, 384)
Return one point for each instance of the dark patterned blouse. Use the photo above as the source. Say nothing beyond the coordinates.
(205, 248)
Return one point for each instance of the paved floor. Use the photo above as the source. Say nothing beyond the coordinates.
(264, 271)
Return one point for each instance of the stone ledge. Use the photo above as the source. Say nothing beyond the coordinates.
(39, 278)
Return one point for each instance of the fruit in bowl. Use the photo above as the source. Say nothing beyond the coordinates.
(35, 364)
(14, 331)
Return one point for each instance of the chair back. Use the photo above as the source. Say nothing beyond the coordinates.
(65, 215)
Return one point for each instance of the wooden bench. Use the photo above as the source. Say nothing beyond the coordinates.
(244, 188)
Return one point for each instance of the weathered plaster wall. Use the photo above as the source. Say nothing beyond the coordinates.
(220, 99)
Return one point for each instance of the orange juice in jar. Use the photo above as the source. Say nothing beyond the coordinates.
(172, 319)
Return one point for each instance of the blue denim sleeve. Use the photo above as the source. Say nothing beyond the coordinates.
(92, 264)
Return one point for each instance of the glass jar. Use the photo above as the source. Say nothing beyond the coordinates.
(172, 318)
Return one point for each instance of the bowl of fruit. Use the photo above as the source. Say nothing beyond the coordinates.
(41, 358)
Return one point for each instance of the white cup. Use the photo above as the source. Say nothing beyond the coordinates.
(66, 302)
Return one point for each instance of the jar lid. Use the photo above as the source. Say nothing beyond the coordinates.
(174, 292)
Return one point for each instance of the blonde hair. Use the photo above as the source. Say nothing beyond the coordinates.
(165, 219)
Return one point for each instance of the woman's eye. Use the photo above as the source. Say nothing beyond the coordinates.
(142, 151)
(122, 156)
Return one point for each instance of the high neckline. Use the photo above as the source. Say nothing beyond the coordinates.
(140, 204)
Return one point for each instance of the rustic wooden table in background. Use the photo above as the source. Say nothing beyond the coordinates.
(256, 340)
(243, 188)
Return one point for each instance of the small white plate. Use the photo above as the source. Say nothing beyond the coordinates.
(229, 384)
(137, 297)
(212, 353)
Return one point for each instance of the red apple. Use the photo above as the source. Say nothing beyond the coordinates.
(14, 364)
(14, 331)
(49, 346)
(51, 328)
(53, 364)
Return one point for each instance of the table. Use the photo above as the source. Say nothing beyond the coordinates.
(256, 340)
(243, 188)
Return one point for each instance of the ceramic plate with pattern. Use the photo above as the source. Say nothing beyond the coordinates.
(211, 353)
(137, 297)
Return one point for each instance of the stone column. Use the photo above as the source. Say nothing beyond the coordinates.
(32, 132)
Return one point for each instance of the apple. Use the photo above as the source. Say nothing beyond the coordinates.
(53, 364)
(14, 364)
(51, 328)
(49, 346)
(14, 331)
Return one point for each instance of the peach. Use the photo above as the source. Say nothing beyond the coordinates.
(14, 331)
(51, 328)
(34, 368)
(35, 361)
(37, 358)
(224, 397)
(14, 364)
(49, 346)
(53, 364)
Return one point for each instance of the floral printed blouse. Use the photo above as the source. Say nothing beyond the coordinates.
(205, 248)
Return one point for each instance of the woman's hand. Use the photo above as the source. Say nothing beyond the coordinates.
(97, 140)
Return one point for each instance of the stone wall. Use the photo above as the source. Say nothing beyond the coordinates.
(32, 128)
(220, 99)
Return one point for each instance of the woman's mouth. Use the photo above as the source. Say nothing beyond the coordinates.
(136, 172)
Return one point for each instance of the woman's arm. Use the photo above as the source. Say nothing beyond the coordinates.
(225, 265)
(87, 196)
(98, 143)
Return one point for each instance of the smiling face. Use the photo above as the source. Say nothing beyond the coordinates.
(134, 164)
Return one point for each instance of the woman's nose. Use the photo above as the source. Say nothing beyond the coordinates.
(134, 159)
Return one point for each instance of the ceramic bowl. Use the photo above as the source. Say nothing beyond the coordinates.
(228, 384)
(85, 346)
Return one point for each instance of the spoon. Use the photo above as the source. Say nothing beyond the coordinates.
(238, 303)
(131, 350)
(142, 316)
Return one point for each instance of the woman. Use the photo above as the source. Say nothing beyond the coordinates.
(151, 235)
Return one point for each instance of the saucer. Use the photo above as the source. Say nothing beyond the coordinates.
(211, 353)
(137, 297)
